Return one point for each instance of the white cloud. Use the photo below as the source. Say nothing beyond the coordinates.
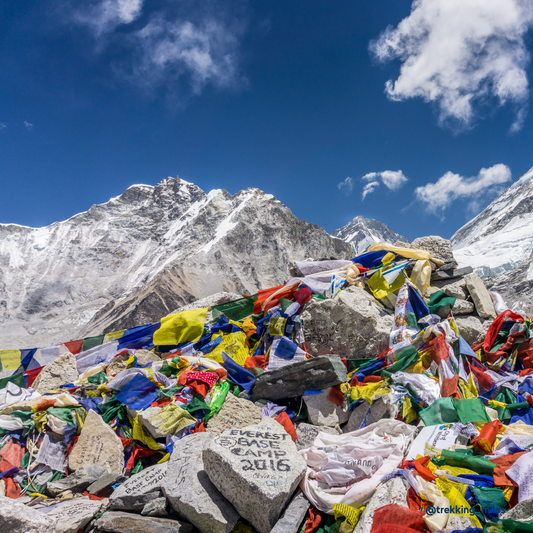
(347, 185)
(28, 125)
(450, 187)
(3, 125)
(106, 15)
(392, 179)
(459, 54)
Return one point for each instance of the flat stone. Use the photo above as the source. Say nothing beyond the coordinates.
(441, 275)
(139, 489)
(77, 482)
(16, 517)
(75, 514)
(439, 248)
(367, 414)
(98, 445)
(322, 412)
(473, 329)
(293, 516)
(190, 492)
(462, 307)
(456, 288)
(480, 296)
(103, 486)
(522, 512)
(157, 507)
(146, 356)
(118, 522)
(235, 413)
(257, 469)
(357, 417)
(293, 380)
(456, 522)
(61, 370)
(307, 434)
(350, 325)
(392, 491)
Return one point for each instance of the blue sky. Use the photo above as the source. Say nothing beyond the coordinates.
(424, 107)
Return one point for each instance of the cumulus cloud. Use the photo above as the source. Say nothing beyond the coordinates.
(459, 54)
(392, 179)
(346, 185)
(104, 16)
(450, 187)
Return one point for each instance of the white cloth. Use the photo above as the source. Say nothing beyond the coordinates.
(428, 390)
(522, 473)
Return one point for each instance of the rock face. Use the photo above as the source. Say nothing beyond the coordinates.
(438, 247)
(118, 522)
(193, 245)
(293, 380)
(15, 517)
(75, 514)
(235, 413)
(98, 444)
(56, 373)
(257, 469)
(350, 325)
(322, 412)
(480, 296)
(307, 434)
(190, 492)
(364, 232)
(473, 329)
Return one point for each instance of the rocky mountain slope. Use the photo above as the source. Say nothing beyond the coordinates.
(364, 232)
(140, 255)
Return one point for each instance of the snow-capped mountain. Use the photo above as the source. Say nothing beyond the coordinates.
(364, 232)
(501, 236)
(141, 255)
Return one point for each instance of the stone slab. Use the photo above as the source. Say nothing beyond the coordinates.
(235, 413)
(76, 482)
(134, 502)
(61, 370)
(75, 514)
(190, 492)
(148, 480)
(16, 517)
(157, 507)
(450, 274)
(307, 434)
(293, 380)
(292, 518)
(103, 486)
(118, 522)
(322, 412)
(480, 296)
(257, 469)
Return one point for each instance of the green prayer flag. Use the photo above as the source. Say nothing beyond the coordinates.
(471, 410)
(235, 310)
(478, 464)
(441, 411)
(440, 299)
(91, 342)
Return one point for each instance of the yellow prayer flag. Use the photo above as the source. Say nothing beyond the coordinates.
(10, 359)
(186, 326)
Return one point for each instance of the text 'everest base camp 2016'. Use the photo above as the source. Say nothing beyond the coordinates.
(181, 361)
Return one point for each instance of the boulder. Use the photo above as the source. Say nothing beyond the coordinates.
(77, 482)
(118, 522)
(462, 307)
(392, 491)
(75, 514)
(293, 380)
(61, 370)
(473, 329)
(455, 288)
(480, 296)
(98, 444)
(190, 492)
(307, 434)
(15, 517)
(322, 412)
(257, 468)
(235, 413)
(350, 325)
(439, 248)
(293, 516)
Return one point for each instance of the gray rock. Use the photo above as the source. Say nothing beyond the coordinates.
(190, 492)
(462, 307)
(322, 412)
(104, 484)
(307, 434)
(293, 516)
(522, 512)
(61, 370)
(456, 522)
(357, 417)
(367, 414)
(350, 325)
(134, 502)
(455, 288)
(98, 445)
(74, 515)
(293, 380)
(119, 363)
(235, 413)
(439, 248)
(117, 522)
(146, 356)
(77, 482)
(146, 481)
(157, 507)
(16, 517)
(480, 296)
(257, 469)
(443, 275)
(473, 329)
(392, 491)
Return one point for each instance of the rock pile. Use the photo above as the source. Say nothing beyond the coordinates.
(392, 392)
